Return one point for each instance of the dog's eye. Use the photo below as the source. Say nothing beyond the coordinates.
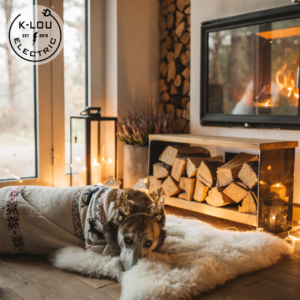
(128, 241)
(148, 244)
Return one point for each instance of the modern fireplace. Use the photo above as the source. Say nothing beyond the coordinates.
(250, 70)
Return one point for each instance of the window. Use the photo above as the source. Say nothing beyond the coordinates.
(75, 76)
(18, 146)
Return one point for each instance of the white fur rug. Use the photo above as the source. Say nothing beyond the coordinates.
(201, 258)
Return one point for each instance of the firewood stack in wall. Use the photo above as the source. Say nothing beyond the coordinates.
(190, 173)
(174, 84)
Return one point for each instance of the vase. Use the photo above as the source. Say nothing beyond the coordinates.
(135, 164)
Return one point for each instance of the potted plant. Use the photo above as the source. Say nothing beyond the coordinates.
(134, 130)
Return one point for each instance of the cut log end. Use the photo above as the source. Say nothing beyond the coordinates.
(207, 172)
(187, 184)
(249, 174)
(249, 204)
(236, 191)
(200, 192)
(161, 170)
(170, 187)
(193, 163)
(170, 152)
(154, 184)
(178, 168)
(216, 197)
(229, 171)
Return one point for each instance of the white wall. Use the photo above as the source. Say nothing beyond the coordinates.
(204, 10)
(138, 54)
(131, 58)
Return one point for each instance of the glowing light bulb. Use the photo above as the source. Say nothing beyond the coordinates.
(273, 218)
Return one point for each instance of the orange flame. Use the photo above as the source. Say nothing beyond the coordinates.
(286, 82)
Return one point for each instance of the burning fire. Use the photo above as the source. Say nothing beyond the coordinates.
(285, 82)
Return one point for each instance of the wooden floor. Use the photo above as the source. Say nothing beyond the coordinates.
(33, 277)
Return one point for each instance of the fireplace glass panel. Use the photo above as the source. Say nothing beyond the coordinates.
(252, 70)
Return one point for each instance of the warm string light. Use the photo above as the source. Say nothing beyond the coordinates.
(290, 237)
(12, 174)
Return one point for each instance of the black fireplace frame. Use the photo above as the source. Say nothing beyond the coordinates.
(245, 121)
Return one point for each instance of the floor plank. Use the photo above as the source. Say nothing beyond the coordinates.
(35, 276)
(113, 290)
(236, 289)
(286, 270)
(269, 289)
(290, 262)
(8, 294)
(279, 277)
(95, 282)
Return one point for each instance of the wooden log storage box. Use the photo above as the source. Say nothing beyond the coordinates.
(243, 180)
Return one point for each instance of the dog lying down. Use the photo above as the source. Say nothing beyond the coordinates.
(128, 224)
(99, 231)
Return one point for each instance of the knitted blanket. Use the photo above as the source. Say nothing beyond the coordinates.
(38, 220)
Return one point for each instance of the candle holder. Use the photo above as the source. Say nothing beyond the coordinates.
(141, 186)
(86, 140)
(111, 182)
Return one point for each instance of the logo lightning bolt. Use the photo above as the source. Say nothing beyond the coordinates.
(34, 37)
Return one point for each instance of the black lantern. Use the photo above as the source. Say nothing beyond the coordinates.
(88, 147)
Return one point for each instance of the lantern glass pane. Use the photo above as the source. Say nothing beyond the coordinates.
(276, 184)
(107, 149)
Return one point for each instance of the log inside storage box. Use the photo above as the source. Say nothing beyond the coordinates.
(229, 171)
(207, 172)
(170, 152)
(154, 184)
(178, 168)
(237, 191)
(200, 191)
(170, 187)
(193, 163)
(187, 184)
(161, 170)
(249, 204)
(216, 197)
(249, 174)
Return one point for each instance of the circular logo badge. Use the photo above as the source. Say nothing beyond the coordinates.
(35, 34)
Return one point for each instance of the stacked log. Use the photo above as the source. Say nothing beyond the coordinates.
(190, 173)
(174, 84)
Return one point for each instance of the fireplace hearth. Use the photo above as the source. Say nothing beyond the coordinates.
(250, 70)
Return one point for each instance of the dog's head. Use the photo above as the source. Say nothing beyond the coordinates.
(137, 226)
